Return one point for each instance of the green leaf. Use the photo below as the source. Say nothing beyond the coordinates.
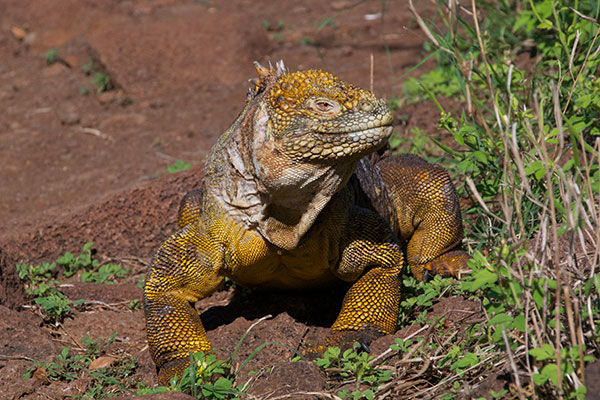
(482, 278)
(87, 246)
(536, 168)
(177, 166)
(480, 156)
(519, 323)
(545, 24)
(551, 371)
(468, 360)
(540, 379)
(542, 353)
(223, 384)
(65, 259)
(500, 319)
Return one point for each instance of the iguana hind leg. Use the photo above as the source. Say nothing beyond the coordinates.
(182, 272)
(190, 208)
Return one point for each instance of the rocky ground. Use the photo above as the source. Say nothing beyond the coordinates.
(85, 160)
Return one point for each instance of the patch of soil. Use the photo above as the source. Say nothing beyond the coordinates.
(82, 165)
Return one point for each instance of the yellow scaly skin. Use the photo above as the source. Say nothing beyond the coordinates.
(277, 211)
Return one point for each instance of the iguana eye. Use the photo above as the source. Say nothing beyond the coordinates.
(324, 106)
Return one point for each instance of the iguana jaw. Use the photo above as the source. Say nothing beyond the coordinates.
(338, 146)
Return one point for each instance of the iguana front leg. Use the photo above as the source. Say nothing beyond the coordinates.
(372, 302)
(428, 214)
(184, 270)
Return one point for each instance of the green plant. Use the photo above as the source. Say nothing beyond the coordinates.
(100, 78)
(91, 271)
(37, 277)
(68, 364)
(72, 264)
(105, 274)
(102, 82)
(104, 382)
(418, 297)
(417, 143)
(178, 166)
(114, 379)
(441, 81)
(51, 56)
(355, 366)
(39, 284)
(525, 152)
(66, 367)
(134, 304)
(199, 378)
(400, 346)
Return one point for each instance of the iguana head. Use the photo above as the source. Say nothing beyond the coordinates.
(293, 147)
(315, 116)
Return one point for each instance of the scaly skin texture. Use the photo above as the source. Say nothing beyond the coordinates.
(278, 210)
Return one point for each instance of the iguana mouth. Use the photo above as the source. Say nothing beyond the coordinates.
(375, 124)
(376, 133)
(386, 129)
(336, 145)
(357, 132)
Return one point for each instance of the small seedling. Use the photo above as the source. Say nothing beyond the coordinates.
(355, 366)
(73, 264)
(134, 304)
(40, 284)
(177, 166)
(100, 79)
(102, 82)
(51, 56)
(91, 270)
(105, 274)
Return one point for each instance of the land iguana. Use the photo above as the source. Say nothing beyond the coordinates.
(282, 208)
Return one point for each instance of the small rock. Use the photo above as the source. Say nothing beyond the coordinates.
(121, 120)
(341, 5)
(55, 69)
(108, 97)
(69, 117)
(18, 32)
(30, 38)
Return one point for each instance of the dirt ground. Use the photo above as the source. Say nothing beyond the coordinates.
(80, 166)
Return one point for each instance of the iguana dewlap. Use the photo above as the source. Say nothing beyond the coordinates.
(278, 210)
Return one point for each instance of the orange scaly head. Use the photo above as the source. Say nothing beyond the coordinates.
(316, 116)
